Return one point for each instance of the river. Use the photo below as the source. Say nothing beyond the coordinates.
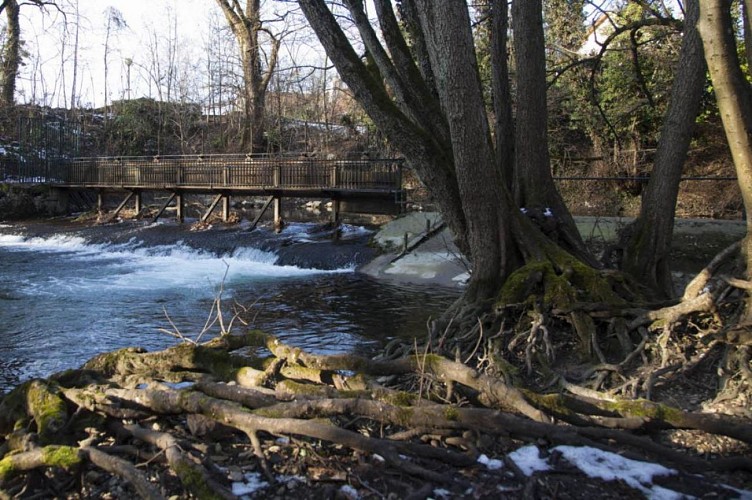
(71, 290)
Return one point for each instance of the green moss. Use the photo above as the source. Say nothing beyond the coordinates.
(552, 403)
(109, 363)
(451, 413)
(47, 407)
(61, 456)
(400, 398)
(520, 284)
(557, 282)
(195, 482)
(404, 415)
(307, 389)
(268, 412)
(217, 361)
(646, 409)
(13, 409)
(6, 468)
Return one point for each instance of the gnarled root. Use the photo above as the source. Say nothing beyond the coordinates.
(306, 405)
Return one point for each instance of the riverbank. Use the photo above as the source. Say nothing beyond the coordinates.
(436, 260)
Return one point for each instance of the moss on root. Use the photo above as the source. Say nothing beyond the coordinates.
(214, 359)
(66, 457)
(6, 468)
(195, 482)
(48, 408)
(39, 400)
(110, 363)
(556, 284)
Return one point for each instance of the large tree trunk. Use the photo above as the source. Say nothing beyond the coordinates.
(734, 97)
(504, 125)
(452, 54)
(534, 187)
(646, 253)
(11, 54)
(433, 112)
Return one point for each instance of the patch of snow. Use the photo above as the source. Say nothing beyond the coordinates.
(610, 467)
(604, 465)
(251, 484)
(349, 492)
(490, 463)
(462, 278)
(528, 460)
(442, 493)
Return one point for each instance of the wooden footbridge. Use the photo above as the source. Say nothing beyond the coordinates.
(363, 185)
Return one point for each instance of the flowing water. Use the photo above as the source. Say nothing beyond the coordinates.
(69, 291)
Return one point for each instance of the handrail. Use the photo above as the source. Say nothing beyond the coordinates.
(212, 172)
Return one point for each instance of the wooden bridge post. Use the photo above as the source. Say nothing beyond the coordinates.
(335, 210)
(138, 202)
(226, 207)
(278, 222)
(180, 205)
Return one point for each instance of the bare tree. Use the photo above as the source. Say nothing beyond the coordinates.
(258, 66)
(114, 23)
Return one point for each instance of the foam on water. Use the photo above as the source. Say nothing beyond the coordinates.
(135, 266)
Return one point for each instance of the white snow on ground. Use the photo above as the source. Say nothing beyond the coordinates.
(253, 483)
(608, 466)
(490, 463)
(349, 492)
(528, 460)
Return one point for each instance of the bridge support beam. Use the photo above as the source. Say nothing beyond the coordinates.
(164, 207)
(119, 208)
(100, 200)
(212, 207)
(261, 213)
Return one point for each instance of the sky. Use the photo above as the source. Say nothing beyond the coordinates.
(50, 47)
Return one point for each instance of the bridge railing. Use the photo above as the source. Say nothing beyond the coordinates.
(233, 171)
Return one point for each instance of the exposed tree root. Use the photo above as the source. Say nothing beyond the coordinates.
(433, 433)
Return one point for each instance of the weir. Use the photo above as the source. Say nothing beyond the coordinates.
(357, 186)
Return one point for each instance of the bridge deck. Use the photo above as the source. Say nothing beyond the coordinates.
(218, 173)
